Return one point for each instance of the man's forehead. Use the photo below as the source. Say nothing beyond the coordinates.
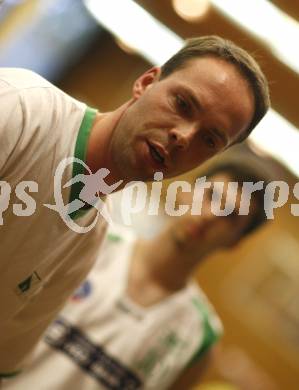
(206, 61)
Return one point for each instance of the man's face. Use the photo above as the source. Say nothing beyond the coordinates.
(175, 124)
(202, 234)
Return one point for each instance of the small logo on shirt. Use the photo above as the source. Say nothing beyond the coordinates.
(27, 284)
(82, 292)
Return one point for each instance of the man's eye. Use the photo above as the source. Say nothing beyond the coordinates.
(209, 141)
(182, 104)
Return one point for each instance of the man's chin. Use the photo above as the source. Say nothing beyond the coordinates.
(130, 174)
(140, 174)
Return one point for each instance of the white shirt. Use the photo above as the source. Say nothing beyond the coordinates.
(103, 340)
(41, 260)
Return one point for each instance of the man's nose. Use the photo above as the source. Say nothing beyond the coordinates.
(182, 136)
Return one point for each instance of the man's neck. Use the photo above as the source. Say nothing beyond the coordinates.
(159, 268)
(99, 143)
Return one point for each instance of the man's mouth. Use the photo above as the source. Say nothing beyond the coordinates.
(157, 153)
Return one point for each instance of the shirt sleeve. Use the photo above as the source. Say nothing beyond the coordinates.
(11, 123)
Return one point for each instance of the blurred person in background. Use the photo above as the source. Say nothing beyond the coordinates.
(140, 320)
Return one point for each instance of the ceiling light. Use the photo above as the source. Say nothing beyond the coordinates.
(280, 138)
(191, 10)
(125, 47)
(280, 32)
(136, 28)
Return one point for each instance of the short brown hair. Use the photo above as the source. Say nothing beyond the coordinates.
(213, 45)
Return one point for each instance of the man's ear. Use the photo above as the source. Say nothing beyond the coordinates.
(145, 81)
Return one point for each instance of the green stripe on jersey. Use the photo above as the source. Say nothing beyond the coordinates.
(4, 375)
(114, 237)
(80, 153)
(209, 337)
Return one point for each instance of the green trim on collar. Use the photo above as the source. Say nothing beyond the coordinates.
(210, 336)
(80, 153)
(4, 375)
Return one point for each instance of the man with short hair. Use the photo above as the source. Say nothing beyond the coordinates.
(177, 118)
(139, 321)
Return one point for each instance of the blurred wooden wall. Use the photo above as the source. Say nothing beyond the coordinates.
(104, 77)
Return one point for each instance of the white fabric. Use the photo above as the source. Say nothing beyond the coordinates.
(143, 347)
(143, 224)
(39, 125)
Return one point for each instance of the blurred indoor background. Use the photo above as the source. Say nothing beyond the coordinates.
(94, 50)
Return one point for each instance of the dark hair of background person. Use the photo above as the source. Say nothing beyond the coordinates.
(241, 174)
